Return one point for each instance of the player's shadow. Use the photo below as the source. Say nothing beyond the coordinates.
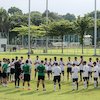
(13, 92)
(5, 90)
(46, 93)
(29, 93)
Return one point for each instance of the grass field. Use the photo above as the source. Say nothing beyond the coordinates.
(66, 93)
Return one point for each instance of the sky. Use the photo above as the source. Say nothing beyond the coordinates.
(77, 7)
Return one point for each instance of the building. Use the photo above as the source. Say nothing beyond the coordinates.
(3, 44)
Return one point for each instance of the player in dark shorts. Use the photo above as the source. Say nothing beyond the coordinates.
(17, 73)
(41, 75)
(0, 73)
(26, 71)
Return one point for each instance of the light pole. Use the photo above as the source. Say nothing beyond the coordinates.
(46, 24)
(29, 51)
(95, 27)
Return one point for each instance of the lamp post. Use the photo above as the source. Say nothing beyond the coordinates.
(29, 51)
(95, 27)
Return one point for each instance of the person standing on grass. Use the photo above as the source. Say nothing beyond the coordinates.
(96, 74)
(98, 64)
(57, 75)
(81, 67)
(0, 73)
(90, 64)
(69, 68)
(61, 64)
(12, 70)
(85, 74)
(26, 71)
(4, 75)
(36, 63)
(74, 72)
(50, 64)
(41, 75)
(17, 73)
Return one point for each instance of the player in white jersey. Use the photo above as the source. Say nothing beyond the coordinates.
(55, 61)
(69, 67)
(90, 64)
(50, 64)
(96, 74)
(46, 66)
(12, 70)
(85, 74)
(57, 75)
(81, 67)
(76, 61)
(36, 64)
(61, 64)
(75, 71)
(98, 63)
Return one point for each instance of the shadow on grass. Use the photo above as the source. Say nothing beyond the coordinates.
(13, 92)
(7, 89)
(46, 93)
(29, 93)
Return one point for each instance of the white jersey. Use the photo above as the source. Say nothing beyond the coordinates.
(76, 63)
(85, 71)
(61, 64)
(90, 64)
(50, 65)
(36, 63)
(8, 69)
(69, 64)
(75, 71)
(30, 62)
(46, 64)
(56, 70)
(96, 71)
(12, 64)
(55, 62)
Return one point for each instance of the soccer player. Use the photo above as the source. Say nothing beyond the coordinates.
(0, 73)
(61, 64)
(8, 70)
(50, 64)
(76, 61)
(69, 67)
(41, 75)
(85, 74)
(17, 73)
(96, 74)
(27, 71)
(12, 70)
(81, 67)
(90, 64)
(36, 63)
(75, 71)
(98, 64)
(57, 75)
(4, 75)
(55, 60)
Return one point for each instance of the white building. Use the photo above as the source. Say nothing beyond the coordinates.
(3, 44)
(87, 40)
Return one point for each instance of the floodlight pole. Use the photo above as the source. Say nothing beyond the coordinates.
(29, 51)
(46, 24)
(95, 27)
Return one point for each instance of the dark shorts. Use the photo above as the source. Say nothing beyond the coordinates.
(99, 74)
(49, 71)
(95, 78)
(12, 70)
(35, 70)
(69, 70)
(8, 74)
(57, 78)
(90, 73)
(17, 76)
(85, 78)
(4, 75)
(81, 71)
(75, 79)
(26, 77)
(0, 75)
(41, 78)
(62, 72)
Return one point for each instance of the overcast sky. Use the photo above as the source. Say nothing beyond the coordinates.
(77, 7)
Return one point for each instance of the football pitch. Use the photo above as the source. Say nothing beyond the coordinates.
(66, 93)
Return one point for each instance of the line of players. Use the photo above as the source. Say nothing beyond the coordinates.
(20, 69)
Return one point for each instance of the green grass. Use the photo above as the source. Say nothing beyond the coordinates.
(66, 93)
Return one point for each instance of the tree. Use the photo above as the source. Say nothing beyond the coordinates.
(82, 25)
(60, 29)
